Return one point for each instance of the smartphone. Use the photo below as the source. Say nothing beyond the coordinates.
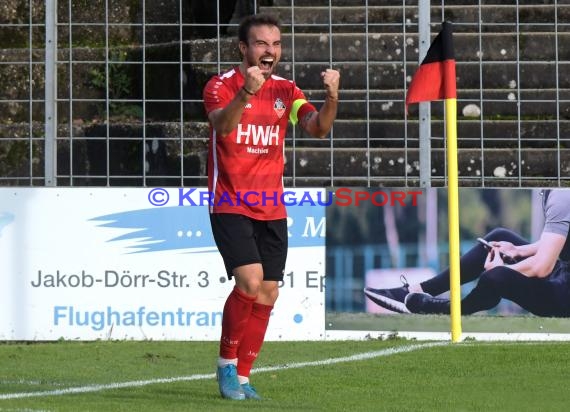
(487, 245)
(506, 258)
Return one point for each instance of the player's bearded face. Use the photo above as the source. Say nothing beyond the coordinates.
(264, 48)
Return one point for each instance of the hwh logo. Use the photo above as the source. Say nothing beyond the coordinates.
(264, 135)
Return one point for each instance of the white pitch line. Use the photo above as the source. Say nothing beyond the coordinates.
(132, 384)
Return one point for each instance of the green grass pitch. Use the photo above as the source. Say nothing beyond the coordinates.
(364, 375)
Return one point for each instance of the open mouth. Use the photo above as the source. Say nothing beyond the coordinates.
(266, 63)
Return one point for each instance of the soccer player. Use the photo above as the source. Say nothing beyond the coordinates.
(248, 108)
(536, 276)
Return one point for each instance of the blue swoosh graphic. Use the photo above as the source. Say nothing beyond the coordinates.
(188, 227)
(5, 219)
(166, 228)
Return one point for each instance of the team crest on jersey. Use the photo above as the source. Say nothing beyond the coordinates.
(279, 107)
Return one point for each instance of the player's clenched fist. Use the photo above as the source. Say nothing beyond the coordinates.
(254, 79)
(331, 79)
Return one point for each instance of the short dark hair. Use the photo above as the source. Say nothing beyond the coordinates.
(255, 20)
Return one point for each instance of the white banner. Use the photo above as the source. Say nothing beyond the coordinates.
(139, 263)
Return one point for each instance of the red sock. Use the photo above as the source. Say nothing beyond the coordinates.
(253, 337)
(237, 311)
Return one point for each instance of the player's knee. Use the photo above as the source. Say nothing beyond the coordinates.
(493, 278)
(252, 287)
(272, 295)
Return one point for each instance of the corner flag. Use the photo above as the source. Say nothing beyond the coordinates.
(435, 80)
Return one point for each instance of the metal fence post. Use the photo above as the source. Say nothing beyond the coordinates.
(424, 107)
(50, 127)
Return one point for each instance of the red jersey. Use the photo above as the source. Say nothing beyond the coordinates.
(245, 168)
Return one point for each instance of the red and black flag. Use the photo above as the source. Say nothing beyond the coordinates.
(435, 78)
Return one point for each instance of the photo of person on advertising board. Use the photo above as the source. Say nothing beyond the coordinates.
(515, 256)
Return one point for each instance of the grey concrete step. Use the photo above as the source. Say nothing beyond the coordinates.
(386, 48)
(538, 104)
(389, 18)
(539, 100)
(347, 134)
(361, 75)
(351, 165)
(402, 162)
(395, 3)
(318, 47)
(470, 134)
(400, 167)
(383, 132)
(388, 105)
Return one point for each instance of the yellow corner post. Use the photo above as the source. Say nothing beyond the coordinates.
(453, 210)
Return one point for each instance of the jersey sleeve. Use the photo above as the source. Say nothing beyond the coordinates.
(300, 106)
(557, 212)
(216, 94)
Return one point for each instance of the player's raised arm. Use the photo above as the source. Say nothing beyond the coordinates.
(319, 124)
(225, 120)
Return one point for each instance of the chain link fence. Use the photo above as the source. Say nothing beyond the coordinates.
(108, 93)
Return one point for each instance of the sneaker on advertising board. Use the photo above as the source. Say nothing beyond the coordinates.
(391, 299)
(427, 304)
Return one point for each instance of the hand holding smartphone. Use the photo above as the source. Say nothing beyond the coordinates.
(506, 258)
(487, 245)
